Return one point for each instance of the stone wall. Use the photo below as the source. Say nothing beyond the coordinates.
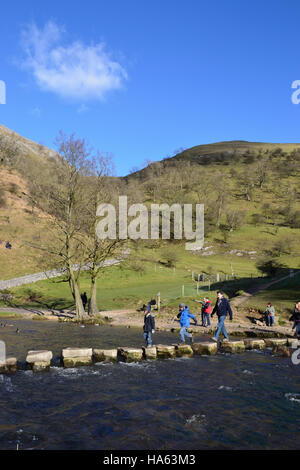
(19, 281)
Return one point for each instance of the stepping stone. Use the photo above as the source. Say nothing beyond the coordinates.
(233, 346)
(254, 343)
(39, 360)
(183, 350)
(165, 352)
(75, 357)
(270, 342)
(130, 354)
(205, 348)
(8, 366)
(150, 353)
(105, 355)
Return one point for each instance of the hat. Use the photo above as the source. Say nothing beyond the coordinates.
(181, 305)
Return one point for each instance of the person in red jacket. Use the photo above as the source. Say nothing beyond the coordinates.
(206, 311)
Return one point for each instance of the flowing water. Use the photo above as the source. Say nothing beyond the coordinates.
(246, 401)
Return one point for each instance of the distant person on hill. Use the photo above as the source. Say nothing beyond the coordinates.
(221, 308)
(296, 318)
(206, 311)
(149, 327)
(185, 316)
(270, 313)
(84, 299)
(8, 246)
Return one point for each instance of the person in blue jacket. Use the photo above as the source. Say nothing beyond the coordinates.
(185, 316)
(222, 307)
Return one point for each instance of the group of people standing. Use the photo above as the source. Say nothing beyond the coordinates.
(221, 309)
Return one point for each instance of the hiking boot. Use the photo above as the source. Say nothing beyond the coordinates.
(225, 340)
(214, 339)
(192, 340)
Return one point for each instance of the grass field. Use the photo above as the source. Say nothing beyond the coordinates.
(283, 296)
(124, 287)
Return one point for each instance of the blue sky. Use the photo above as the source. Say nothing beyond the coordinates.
(141, 78)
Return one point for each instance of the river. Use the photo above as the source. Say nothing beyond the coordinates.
(245, 401)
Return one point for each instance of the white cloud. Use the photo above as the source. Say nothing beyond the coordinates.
(76, 70)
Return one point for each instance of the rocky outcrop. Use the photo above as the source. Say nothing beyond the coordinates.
(39, 360)
(183, 350)
(254, 343)
(165, 352)
(8, 366)
(150, 352)
(233, 346)
(105, 355)
(270, 342)
(74, 357)
(205, 348)
(130, 354)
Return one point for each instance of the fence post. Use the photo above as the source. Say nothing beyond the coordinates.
(182, 291)
(158, 301)
(197, 288)
(217, 277)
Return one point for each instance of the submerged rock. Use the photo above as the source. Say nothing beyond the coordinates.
(39, 360)
(233, 346)
(254, 343)
(281, 350)
(165, 352)
(130, 354)
(74, 357)
(183, 350)
(105, 355)
(205, 348)
(150, 352)
(8, 366)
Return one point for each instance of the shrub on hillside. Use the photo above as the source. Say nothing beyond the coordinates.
(170, 257)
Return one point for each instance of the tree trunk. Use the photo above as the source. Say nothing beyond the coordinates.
(93, 309)
(80, 313)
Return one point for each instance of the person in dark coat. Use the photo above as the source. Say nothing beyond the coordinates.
(221, 308)
(149, 327)
(296, 318)
(84, 299)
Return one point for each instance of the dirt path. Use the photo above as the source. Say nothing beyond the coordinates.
(242, 298)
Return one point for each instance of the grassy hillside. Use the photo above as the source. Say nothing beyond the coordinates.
(252, 211)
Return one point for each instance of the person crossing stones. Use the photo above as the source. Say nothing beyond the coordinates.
(149, 327)
(221, 308)
(185, 316)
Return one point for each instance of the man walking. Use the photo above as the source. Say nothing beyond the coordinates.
(222, 307)
(185, 316)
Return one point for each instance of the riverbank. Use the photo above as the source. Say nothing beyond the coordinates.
(165, 321)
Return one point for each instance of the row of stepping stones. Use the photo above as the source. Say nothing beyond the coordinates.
(74, 357)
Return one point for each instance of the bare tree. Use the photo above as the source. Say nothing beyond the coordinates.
(102, 189)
